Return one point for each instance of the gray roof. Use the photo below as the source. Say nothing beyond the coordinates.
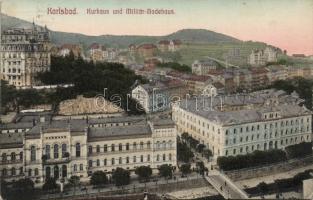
(107, 120)
(118, 132)
(287, 106)
(19, 125)
(11, 140)
(162, 123)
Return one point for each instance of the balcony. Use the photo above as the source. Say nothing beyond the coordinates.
(53, 161)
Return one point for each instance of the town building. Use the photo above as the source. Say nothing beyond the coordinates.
(25, 52)
(66, 49)
(204, 67)
(213, 89)
(38, 149)
(169, 45)
(261, 57)
(157, 95)
(233, 125)
(146, 50)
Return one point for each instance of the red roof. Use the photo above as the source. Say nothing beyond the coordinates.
(147, 46)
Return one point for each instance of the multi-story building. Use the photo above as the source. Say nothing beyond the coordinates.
(158, 95)
(204, 67)
(146, 50)
(240, 124)
(25, 51)
(63, 148)
(261, 57)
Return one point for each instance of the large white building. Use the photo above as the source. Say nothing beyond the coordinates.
(43, 148)
(25, 51)
(240, 124)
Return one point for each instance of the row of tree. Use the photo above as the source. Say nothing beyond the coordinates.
(299, 150)
(253, 159)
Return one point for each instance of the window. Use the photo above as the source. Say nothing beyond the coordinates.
(170, 156)
(75, 168)
(98, 162)
(48, 151)
(105, 162)
(64, 150)
(32, 153)
(164, 157)
(21, 170)
(90, 163)
(127, 146)
(134, 145)
(141, 158)
(112, 147)
(81, 167)
(141, 145)
(98, 148)
(120, 160)
(113, 161)
(134, 159)
(120, 147)
(56, 151)
(13, 156)
(89, 149)
(13, 171)
(30, 172)
(4, 157)
(148, 144)
(4, 172)
(127, 159)
(21, 155)
(105, 148)
(36, 172)
(77, 149)
(148, 158)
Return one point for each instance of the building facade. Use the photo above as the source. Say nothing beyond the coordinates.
(236, 125)
(25, 51)
(63, 148)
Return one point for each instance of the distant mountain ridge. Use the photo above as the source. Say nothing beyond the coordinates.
(188, 35)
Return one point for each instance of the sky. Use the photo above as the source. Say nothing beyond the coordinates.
(287, 24)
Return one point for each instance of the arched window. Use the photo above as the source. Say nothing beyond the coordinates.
(164, 157)
(98, 162)
(81, 167)
(75, 168)
(21, 170)
(30, 172)
(13, 171)
(64, 150)
(141, 145)
(78, 150)
(158, 157)
(112, 147)
(163, 144)
(98, 148)
(90, 163)
(127, 146)
(170, 156)
(105, 162)
(56, 151)
(4, 157)
(32, 153)
(170, 144)
(105, 148)
(64, 171)
(134, 145)
(48, 151)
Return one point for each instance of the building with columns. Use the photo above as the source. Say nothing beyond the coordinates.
(239, 124)
(25, 51)
(63, 148)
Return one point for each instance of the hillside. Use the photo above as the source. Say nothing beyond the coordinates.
(188, 35)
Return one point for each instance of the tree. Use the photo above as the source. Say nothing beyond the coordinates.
(185, 169)
(184, 136)
(200, 148)
(144, 172)
(74, 181)
(165, 171)
(200, 167)
(262, 187)
(50, 184)
(98, 178)
(22, 189)
(121, 177)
